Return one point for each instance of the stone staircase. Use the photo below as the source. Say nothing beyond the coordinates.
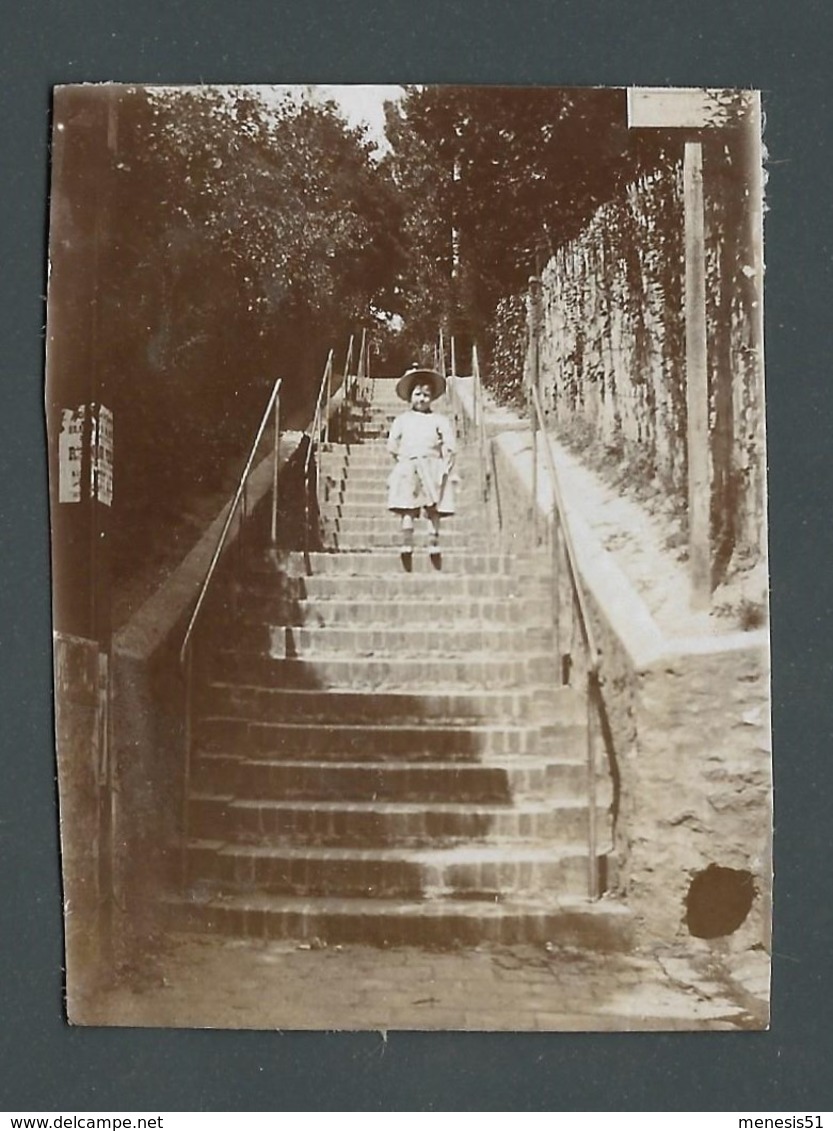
(385, 757)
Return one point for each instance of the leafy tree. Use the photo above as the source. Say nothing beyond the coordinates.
(238, 238)
(495, 178)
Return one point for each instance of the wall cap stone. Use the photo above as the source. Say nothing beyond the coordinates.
(627, 613)
(153, 623)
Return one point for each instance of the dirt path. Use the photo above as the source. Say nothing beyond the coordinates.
(209, 982)
(647, 548)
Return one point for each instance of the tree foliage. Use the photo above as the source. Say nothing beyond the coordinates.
(494, 179)
(240, 238)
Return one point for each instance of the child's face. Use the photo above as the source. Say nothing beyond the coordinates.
(421, 398)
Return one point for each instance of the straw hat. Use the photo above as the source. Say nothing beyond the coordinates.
(405, 384)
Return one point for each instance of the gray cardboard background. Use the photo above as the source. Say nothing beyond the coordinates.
(781, 48)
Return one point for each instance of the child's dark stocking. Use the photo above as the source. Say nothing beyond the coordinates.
(406, 552)
(434, 541)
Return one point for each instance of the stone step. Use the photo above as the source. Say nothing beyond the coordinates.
(426, 584)
(370, 448)
(390, 781)
(374, 456)
(370, 495)
(394, 585)
(603, 925)
(374, 500)
(358, 520)
(366, 515)
(391, 540)
(266, 704)
(378, 518)
(377, 461)
(494, 871)
(369, 742)
(363, 562)
(368, 470)
(380, 414)
(371, 492)
(376, 823)
(369, 731)
(427, 610)
(375, 481)
(426, 673)
(396, 639)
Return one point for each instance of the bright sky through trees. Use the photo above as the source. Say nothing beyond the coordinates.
(361, 105)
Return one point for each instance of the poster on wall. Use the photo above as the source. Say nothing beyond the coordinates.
(415, 673)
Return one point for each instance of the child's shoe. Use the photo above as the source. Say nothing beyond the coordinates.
(434, 552)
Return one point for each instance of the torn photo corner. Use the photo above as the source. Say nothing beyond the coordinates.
(339, 752)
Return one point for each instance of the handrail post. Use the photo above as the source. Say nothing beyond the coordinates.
(453, 392)
(242, 514)
(238, 508)
(534, 426)
(306, 499)
(346, 417)
(556, 587)
(230, 516)
(362, 364)
(328, 390)
(186, 773)
(275, 469)
(480, 419)
(592, 849)
(313, 444)
(581, 619)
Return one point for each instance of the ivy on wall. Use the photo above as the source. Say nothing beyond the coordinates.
(612, 333)
(612, 351)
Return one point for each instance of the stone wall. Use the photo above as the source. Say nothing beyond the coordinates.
(148, 695)
(685, 747)
(611, 339)
(700, 779)
(608, 340)
(86, 853)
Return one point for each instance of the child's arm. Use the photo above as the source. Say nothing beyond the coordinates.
(395, 438)
(449, 441)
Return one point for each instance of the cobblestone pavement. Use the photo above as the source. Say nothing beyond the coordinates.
(206, 982)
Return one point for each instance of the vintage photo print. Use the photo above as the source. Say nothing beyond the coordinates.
(408, 504)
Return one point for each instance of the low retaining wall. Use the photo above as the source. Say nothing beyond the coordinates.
(80, 715)
(147, 706)
(689, 735)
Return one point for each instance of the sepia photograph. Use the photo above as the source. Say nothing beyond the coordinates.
(408, 503)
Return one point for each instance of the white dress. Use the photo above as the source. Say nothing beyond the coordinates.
(424, 446)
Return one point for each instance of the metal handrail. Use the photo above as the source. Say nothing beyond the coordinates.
(314, 433)
(186, 651)
(315, 427)
(561, 525)
(559, 508)
(348, 377)
(273, 403)
(453, 392)
(478, 412)
(363, 370)
(480, 424)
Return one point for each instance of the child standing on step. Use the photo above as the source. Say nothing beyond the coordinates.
(423, 446)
